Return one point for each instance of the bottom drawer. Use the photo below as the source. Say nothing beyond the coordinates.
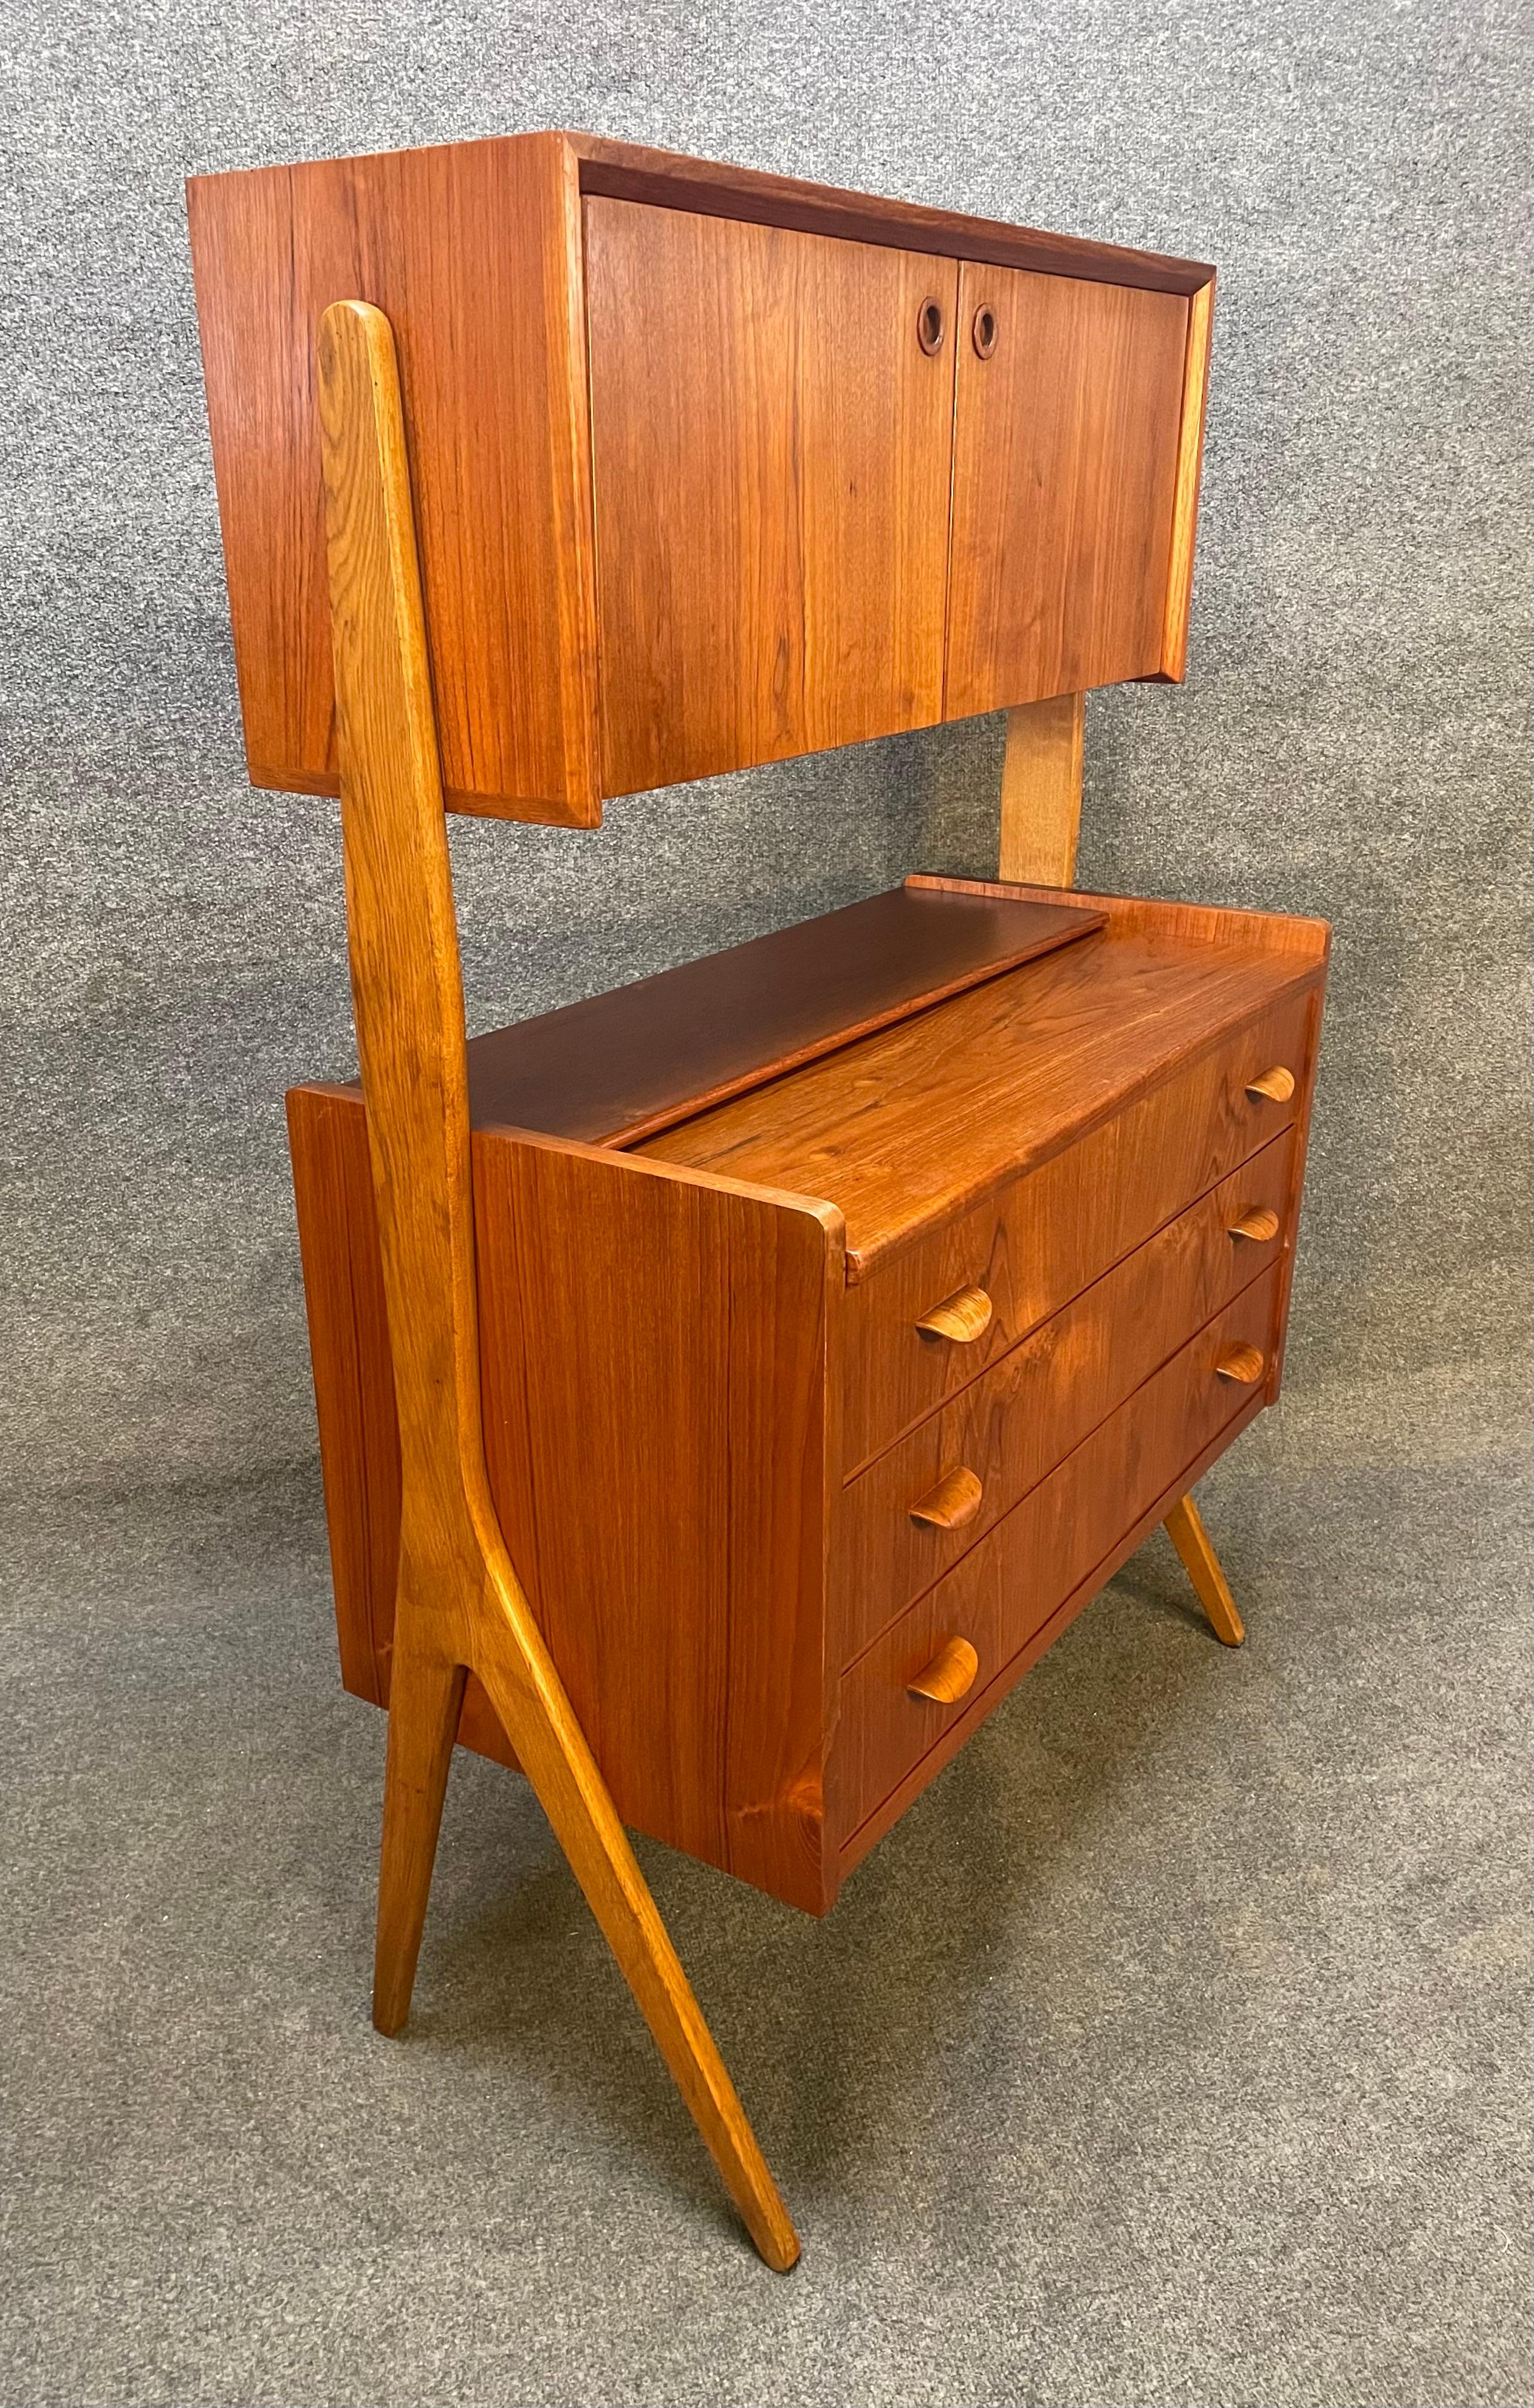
(967, 1629)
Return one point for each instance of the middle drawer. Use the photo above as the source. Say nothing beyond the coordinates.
(901, 1523)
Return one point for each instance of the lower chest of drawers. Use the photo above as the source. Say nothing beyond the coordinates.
(790, 1539)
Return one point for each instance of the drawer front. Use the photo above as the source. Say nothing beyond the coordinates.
(1037, 1245)
(957, 1637)
(929, 1498)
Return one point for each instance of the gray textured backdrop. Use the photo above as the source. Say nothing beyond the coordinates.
(1350, 740)
(1174, 2047)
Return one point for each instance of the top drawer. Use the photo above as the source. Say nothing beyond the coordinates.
(1038, 1242)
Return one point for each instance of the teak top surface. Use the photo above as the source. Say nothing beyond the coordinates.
(920, 1121)
(628, 171)
(621, 1065)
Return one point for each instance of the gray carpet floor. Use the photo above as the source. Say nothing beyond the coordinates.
(1174, 2047)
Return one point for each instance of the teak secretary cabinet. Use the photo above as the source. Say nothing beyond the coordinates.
(728, 1386)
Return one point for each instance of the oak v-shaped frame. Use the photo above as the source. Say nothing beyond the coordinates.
(460, 1605)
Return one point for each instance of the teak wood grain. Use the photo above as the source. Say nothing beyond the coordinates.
(621, 1065)
(771, 476)
(1042, 1238)
(1013, 1583)
(655, 1370)
(900, 1135)
(459, 1603)
(473, 250)
(1065, 476)
(1190, 456)
(984, 1697)
(1012, 1423)
(773, 449)
(670, 180)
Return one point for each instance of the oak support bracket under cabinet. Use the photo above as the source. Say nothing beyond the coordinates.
(727, 1388)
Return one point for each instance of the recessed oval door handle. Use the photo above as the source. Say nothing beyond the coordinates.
(961, 1318)
(1243, 1365)
(1277, 1084)
(1259, 1224)
(930, 325)
(955, 1501)
(984, 329)
(950, 1675)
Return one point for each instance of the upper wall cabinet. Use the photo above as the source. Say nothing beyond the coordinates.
(770, 439)
(708, 468)
(1068, 412)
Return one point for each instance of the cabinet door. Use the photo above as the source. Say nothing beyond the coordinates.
(1068, 415)
(771, 431)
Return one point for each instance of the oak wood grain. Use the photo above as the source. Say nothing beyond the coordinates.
(1009, 1426)
(458, 1602)
(473, 249)
(1065, 478)
(1186, 1531)
(771, 471)
(1009, 1586)
(1041, 789)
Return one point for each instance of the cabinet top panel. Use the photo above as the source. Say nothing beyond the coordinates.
(670, 180)
(921, 1122)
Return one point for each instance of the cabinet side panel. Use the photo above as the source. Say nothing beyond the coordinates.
(1066, 463)
(473, 252)
(771, 452)
(354, 1375)
(654, 1367)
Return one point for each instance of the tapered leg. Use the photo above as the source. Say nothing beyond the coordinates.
(553, 1752)
(1202, 1564)
(425, 1694)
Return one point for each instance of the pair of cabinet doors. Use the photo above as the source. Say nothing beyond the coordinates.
(842, 490)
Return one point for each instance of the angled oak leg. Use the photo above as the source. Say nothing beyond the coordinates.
(425, 1695)
(460, 1602)
(1188, 1535)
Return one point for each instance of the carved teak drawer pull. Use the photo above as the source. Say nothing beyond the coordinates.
(1259, 1224)
(955, 1501)
(949, 1674)
(963, 1317)
(1243, 1363)
(1277, 1084)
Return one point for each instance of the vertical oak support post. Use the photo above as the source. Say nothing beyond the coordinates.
(1041, 791)
(460, 1603)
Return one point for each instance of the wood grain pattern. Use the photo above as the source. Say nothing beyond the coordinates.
(950, 1675)
(1012, 1425)
(670, 180)
(1041, 789)
(898, 1131)
(1042, 1240)
(655, 1370)
(474, 252)
(624, 1065)
(979, 1703)
(771, 468)
(458, 1602)
(1190, 455)
(1186, 1531)
(1065, 476)
(1010, 1584)
(951, 1503)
